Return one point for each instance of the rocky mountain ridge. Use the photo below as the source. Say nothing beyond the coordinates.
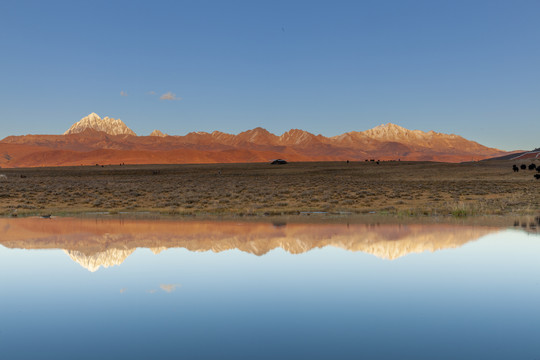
(93, 140)
(157, 133)
(107, 125)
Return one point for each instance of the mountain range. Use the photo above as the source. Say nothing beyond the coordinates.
(94, 140)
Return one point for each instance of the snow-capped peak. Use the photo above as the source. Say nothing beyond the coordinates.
(387, 129)
(108, 125)
(393, 132)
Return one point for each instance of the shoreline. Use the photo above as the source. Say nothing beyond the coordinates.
(399, 190)
(507, 220)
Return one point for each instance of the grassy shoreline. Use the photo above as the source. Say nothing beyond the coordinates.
(395, 189)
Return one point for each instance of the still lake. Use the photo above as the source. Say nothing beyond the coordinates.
(75, 288)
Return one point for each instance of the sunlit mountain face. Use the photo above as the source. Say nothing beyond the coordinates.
(95, 122)
(102, 243)
(110, 141)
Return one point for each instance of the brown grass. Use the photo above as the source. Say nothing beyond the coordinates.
(399, 188)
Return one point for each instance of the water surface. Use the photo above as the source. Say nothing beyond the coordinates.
(109, 289)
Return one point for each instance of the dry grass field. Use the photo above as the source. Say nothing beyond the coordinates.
(398, 188)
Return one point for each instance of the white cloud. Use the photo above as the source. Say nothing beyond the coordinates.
(169, 96)
(123, 93)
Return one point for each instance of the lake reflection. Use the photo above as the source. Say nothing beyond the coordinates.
(106, 242)
(258, 290)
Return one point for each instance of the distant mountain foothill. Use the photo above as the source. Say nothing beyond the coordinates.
(94, 140)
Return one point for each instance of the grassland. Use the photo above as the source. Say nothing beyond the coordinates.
(397, 188)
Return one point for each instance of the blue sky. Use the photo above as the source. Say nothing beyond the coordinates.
(466, 67)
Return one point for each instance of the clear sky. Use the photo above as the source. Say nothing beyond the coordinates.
(466, 67)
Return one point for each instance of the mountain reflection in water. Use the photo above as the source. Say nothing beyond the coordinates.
(336, 299)
(95, 243)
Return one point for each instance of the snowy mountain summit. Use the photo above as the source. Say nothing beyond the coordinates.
(107, 125)
(393, 132)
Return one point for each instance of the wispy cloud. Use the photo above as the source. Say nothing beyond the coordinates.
(169, 96)
(151, 93)
(123, 93)
(169, 287)
(123, 290)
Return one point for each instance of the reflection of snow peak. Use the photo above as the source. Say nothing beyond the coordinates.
(157, 250)
(385, 246)
(109, 257)
(96, 243)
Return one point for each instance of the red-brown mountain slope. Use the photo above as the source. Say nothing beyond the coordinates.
(114, 144)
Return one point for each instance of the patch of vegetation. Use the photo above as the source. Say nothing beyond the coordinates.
(402, 189)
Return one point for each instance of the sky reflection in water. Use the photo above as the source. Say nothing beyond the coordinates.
(475, 296)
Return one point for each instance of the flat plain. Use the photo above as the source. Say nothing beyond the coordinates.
(256, 189)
